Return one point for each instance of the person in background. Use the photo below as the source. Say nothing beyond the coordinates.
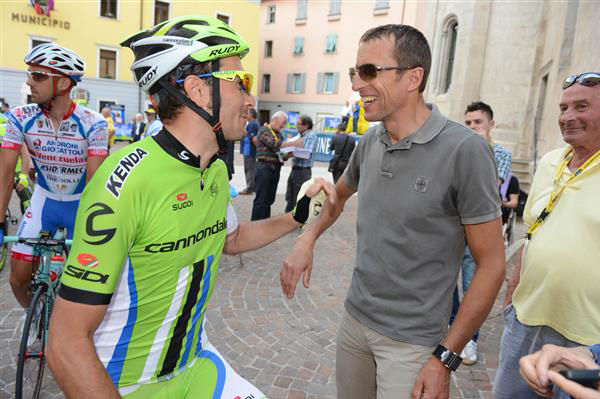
(554, 290)
(301, 168)
(111, 126)
(154, 124)
(249, 151)
(342, 145)
(138, 127)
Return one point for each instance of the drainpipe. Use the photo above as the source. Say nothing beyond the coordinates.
(141, 27)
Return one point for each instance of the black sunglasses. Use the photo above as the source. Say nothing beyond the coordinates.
(368, 72)
(585, 79)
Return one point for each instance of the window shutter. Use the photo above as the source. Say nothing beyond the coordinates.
(303, 82)
(320, 83)
(336, 82)
(290, 82)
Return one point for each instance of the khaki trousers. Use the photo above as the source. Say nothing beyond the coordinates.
(370, 365)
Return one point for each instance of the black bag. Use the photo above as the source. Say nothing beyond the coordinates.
(521, 204)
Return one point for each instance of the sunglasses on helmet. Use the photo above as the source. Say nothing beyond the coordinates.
(585, 79)
(368, 72)
(246, 78)
(40, 76)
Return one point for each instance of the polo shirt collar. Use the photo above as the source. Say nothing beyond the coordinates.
(433, 125)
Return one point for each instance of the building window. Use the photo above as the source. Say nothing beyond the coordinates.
(448, 51)
(38, 40)
(328, 82)
(268, 48)
(108, 64)
(382, 4)
(299, 45)
(266, 83)
(271, 14)
(301, 9)
(224, 17)
(161, 12)
(331, 43)
(108, 8)
(335, 7)
(295, 82)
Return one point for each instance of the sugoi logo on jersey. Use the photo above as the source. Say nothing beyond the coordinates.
(224, 50)
(122, 171)
(183, 202)
(148, 76)
(184, 242)
(87, 260)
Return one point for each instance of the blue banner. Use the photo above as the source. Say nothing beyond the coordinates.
(323, 142)
(123, 131)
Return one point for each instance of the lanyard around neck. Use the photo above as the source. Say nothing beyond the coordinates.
(557, 191)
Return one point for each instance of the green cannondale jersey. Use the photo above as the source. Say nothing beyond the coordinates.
(150, 229)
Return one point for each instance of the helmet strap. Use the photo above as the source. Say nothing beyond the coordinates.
(212, 120)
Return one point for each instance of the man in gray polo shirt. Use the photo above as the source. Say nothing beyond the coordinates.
(425, 186)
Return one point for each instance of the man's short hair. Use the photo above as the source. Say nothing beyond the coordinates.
(411, 49)
(253, 112)
(306, 120)
(481, 106)
(279, 114)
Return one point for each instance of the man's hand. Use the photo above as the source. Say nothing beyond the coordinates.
(535, 367)
(574, 389)
(299, 261)
(311, 199)
(433, 381)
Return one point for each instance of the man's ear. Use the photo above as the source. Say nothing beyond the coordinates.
(198, 91)
(63, 84)
(493, 124)
(415, 77)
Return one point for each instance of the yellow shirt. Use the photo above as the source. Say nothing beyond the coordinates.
(560, 273)
(111, 130)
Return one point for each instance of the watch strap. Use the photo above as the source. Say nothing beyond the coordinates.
(450, 359)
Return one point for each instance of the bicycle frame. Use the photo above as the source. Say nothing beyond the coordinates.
(44, 249)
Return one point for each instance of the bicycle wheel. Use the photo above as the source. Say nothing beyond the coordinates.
(4, 249)
(32, 358)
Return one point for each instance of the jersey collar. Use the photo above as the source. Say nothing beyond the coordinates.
(173, 147)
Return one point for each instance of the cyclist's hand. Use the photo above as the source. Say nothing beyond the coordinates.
(298, 262)
(311, 198)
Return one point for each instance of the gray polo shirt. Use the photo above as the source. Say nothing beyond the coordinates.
(413, 199)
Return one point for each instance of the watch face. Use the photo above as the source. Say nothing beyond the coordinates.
(445, 355)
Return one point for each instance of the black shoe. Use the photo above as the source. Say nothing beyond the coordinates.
(246, 192)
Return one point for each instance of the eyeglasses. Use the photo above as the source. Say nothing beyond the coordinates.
(585, 79)
(368, 72)
(246, 78)
(40, 76)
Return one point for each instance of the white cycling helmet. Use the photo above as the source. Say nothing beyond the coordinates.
(57, 58)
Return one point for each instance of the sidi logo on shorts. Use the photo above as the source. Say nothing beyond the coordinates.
(224, 50)
(122, 170)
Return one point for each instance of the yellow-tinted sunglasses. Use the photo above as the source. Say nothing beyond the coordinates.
(246, 78)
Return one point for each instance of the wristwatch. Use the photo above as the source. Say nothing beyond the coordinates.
(447, 357)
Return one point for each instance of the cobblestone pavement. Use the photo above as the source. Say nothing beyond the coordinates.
(285, 347)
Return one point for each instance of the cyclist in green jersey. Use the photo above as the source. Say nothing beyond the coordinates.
(152, 225)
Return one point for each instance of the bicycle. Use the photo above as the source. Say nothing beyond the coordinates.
(8, 220)
(31, 360)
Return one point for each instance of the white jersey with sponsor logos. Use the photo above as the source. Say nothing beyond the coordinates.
(59, 155)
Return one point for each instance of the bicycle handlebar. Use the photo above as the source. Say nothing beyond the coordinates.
(51, 242)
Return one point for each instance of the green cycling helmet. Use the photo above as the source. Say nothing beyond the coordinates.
(182, 40)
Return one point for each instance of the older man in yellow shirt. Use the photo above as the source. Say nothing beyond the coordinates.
(557, 295)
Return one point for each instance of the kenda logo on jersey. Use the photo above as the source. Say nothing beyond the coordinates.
(185, 242)
(122, 171)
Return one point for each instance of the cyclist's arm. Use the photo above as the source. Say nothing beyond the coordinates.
(78, 370)
(8, 162)
(26, 160)
(93, 162)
